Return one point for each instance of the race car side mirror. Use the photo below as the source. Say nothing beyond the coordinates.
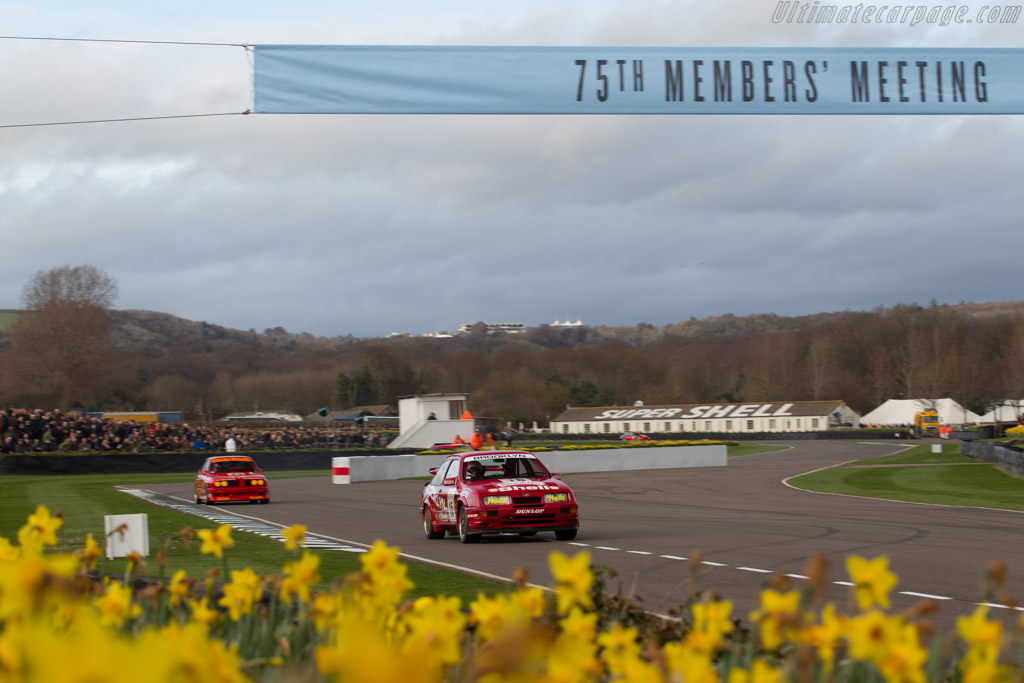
(433, 470)
(556, 476)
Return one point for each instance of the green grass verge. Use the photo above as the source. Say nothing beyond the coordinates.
(920, 476)
(84, 500)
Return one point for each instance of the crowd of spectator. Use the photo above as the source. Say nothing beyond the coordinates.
(42, 431)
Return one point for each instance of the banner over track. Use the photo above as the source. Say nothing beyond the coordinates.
(403, 79)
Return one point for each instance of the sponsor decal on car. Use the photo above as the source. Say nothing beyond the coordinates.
(501, 456)
(530, 511)
(524, 488)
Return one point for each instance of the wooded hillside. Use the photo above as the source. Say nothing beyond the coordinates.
(973, 353)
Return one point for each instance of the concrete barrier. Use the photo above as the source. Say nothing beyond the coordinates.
(1008, 460)
(379, 468)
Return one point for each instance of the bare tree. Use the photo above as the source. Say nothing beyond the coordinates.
(62, 341)
(79, 286)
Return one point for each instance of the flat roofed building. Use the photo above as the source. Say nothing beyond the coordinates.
(794, 416)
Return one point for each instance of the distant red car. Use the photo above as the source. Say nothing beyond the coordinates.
(493, 492)
(633, 436)
(231, 479)
(451, 446)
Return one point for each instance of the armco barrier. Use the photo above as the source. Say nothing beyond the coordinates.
(1009, 460)
(183, 461)
(377, 468)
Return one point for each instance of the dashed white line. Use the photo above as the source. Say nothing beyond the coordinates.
(797, 576)
(604, 547)
(673, 557)
(755, 569)
(713, 564)
(925, 595)
(639, 552)
(844, 583)
(582, 545)
(992, 604)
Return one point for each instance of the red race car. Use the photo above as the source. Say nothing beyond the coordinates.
(231, 479)
(494, 492)
(633, 436)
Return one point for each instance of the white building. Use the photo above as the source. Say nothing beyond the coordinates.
(507, 328)
(797, 416)
(432, 418)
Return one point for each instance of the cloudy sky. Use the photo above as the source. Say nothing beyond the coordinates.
(365, 225)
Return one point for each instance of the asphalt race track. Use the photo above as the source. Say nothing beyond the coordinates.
(746, 523)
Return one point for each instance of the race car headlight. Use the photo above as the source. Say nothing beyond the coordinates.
(556, 497)
(256, 482)
(497, 500)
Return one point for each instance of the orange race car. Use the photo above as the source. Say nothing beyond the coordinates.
(231, 479)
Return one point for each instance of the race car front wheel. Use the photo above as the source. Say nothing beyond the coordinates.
(566, 534)
(428, 525)
(464, 535)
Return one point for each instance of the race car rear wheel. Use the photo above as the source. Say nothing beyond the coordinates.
(464, 535)
(566, 534)
(428, 525)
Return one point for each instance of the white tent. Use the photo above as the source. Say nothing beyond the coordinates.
(1008, 412)
(901, 412)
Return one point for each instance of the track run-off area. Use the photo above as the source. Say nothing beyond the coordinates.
(732, 528)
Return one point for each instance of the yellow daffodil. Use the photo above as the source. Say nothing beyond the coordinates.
(294, 536)
(905, 659)
(360, 652)
(871, 634)
(579, 624)
(825, 636)
(384, 576)
(8, 551)
(241, 593)
(531, 600)
(619, 645)
(984, 639)
(495, 616)
(115, 606)
(572, 660)
(872, 580)
(201, 611)
(573, 580)
(178, 588)
(760, 672)
(777, 617)
(435, 624)
(215, 540)
(324, 608)
(980, 633)
(39, 531)
(88, 555)
(711, 621)
(298, 576)
(687, 664)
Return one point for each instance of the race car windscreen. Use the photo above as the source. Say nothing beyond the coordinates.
(226, 466)
(502, 467)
